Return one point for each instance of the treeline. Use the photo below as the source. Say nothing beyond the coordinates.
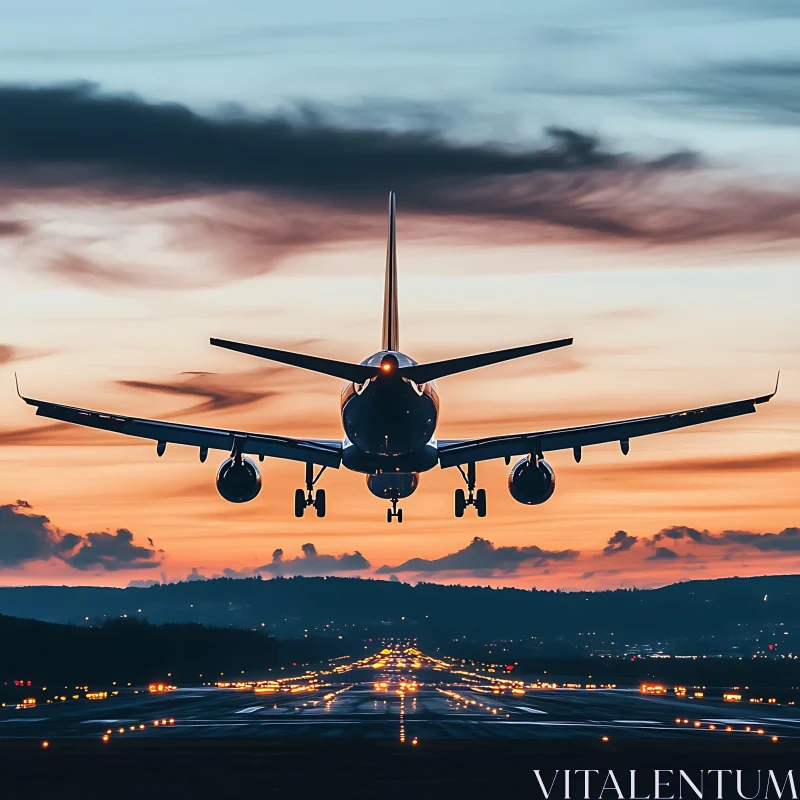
(135, 651)
(706, 614)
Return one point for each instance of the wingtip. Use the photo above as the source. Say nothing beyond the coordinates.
(767, 397)
(19, 393)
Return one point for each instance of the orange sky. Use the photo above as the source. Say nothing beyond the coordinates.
(654, 331)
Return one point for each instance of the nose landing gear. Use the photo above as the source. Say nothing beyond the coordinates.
(394, 511)
(305, 498)
(471, 497)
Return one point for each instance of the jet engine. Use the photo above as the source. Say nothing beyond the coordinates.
(393, 485)
(238, 479)
(531, 483)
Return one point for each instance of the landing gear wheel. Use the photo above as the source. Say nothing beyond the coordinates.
(389, 514)
(480, 502)
(299, 502)
(319, 502)
(461, 502)
(399, 514)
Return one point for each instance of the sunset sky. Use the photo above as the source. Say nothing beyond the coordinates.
(624, 173)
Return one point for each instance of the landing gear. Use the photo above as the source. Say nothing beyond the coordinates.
(394, 511)
(304, 499)
(471, 497)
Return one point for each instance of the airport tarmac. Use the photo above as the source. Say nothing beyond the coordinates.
(415, 704)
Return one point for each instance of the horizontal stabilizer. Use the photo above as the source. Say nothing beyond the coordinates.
(422, 373)
(358, 373)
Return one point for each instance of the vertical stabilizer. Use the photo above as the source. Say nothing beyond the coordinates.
(391, 325)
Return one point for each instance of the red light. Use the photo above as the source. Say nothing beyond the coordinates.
(772, 647)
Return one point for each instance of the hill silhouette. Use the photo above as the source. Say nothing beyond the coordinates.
(124, 650)
(709, 615)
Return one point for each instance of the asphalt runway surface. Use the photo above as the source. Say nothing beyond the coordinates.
(421, 705)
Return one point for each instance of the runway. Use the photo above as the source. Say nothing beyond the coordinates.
(404, 696)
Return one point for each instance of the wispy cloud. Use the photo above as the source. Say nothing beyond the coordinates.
(217, 392)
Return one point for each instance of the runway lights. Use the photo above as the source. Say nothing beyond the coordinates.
(105, 737)
(604, 739)
(45, 744)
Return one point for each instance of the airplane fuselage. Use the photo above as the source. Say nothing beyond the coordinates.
(389, 421)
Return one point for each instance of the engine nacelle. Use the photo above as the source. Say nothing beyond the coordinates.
(531, 483)
(238, 480)
(393, 485)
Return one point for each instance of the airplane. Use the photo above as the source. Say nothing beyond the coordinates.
(389, 411)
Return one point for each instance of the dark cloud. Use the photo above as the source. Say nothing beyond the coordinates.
(286, 181)
(619, 542)
(313, 563)
(10, 228)
(481, 558)
(27, 537)
(75, 134)
(662, 554)
(787, 541)
(111, 552)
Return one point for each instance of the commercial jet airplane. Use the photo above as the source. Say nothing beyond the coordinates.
(390, 408)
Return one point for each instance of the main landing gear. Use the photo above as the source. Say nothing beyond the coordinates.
(471, 497)
(394, 511)
(308, 497)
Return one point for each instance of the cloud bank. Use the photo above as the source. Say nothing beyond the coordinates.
(297, 177)
(26, 537)
(482, 559)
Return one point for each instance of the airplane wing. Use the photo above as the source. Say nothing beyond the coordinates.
(323, 452)
(463, 451)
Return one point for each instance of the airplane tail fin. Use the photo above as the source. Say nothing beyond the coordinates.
(391, 331)
(419, 373)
